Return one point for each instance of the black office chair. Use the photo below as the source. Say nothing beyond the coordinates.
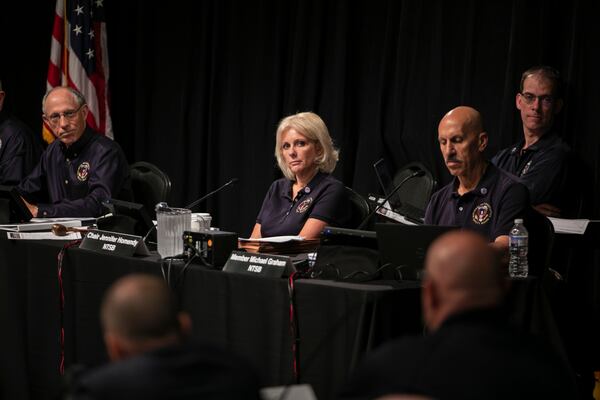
(149, 185)
(415, 192)
(359, 207)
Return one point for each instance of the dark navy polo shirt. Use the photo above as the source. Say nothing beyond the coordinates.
(324, 198)
(489, 209)
(19, 150)
(75, 181)
(542, 168)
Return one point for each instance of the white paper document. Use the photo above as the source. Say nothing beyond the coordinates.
(574, 226)
(42, 236)
(62, 219)
(42, 224)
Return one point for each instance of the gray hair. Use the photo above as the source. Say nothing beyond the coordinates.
(312, 126)
(77, 96)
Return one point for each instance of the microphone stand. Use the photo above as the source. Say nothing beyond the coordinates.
(195, 203)
(201, 199)
(368, 217)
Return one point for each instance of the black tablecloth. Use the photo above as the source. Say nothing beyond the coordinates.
(337, 322)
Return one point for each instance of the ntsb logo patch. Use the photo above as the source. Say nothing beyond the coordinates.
(303, 206)
(83, 171)
(482, 213)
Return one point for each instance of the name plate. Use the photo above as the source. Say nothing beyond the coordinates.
(114, 243)
(268, 265)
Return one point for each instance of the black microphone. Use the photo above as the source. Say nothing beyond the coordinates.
(368, 217)
(195, 203)
(201, 199)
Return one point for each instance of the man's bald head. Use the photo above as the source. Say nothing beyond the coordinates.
(140, 307)
(468, 118)
(462, 142)
(462, 272)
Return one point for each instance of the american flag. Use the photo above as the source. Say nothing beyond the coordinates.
(78, 58)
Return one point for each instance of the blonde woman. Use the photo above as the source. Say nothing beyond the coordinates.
(308, 198)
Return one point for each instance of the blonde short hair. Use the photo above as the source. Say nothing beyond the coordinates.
(312, 126)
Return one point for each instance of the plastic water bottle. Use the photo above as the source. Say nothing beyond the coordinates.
(518, 240)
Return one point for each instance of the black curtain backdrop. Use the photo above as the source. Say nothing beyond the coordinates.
(198, 87)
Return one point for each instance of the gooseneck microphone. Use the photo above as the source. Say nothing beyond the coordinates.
(368, 217)
(201, 199)
(196, 202)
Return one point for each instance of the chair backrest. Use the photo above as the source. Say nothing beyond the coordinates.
(541, 240)
(418, 190)
(149, 185)
(360, 207)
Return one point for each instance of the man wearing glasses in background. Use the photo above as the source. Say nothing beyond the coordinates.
(79, 170)
(540, 158)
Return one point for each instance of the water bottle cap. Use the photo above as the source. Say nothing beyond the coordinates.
(519, 221)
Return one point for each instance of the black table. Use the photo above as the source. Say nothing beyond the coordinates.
(338, 322)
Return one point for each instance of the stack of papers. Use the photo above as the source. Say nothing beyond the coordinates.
(574, 226)
(45, 224)
(40, 228)
(279, 245)
(42, 236)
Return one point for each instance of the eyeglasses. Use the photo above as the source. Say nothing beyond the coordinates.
(69, 115)
(529, 98)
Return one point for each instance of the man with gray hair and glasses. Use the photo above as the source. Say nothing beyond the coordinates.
(20, 150)
(78, 171)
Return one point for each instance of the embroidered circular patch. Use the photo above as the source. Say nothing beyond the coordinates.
(302, 207)
(482, 213)
(83, 170)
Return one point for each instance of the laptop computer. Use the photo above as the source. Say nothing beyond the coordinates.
(12, 207)
(348, 237)
(404, 247)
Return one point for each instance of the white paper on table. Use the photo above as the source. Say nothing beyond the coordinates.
(42, 236)
(273, 239)
(62, 219)
(42, 224)
(575, 226)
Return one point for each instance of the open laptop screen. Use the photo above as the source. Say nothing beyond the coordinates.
(405, 246)
(12, 207)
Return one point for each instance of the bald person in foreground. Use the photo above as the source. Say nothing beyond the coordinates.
(471, 351)
(151, 357)
(481, 197)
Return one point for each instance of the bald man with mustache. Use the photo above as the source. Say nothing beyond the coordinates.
(481, 197)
